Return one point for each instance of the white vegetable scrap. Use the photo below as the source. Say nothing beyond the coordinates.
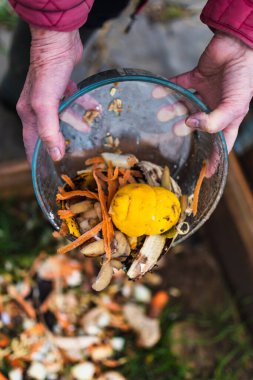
(148, 256)
(74, 279)
(37, 371)
(112, 375)
(96, 248)
(118, 343)
(152, 172)
(142, 293)
(83, 371)
(16, 374)
(104, 277)
(96, 319)
(125, 161)
(148, 329)
(101, 352)
(77, 343)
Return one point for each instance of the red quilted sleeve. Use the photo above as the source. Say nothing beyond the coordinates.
(231, 16)
(59, 15)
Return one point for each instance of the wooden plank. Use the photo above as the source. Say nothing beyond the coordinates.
(229, 250)
(246, 161)
(15, 179)
(230, 235)
(239, 200)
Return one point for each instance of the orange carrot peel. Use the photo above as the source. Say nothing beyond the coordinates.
(107, 227)
(2, 377)
(82, 239)
(159, 301)
(4, 340)
(197, 188)
(94, 161)
(28, 308)
(112, 184)
(64, 214)
(113, 176)
(76, 193)
(63, 231)
(127, 178)
(68, 181)
(38, 329)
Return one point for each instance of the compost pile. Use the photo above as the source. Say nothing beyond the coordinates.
(53, 325)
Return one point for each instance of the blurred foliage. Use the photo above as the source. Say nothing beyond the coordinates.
(233, 345)
(8, 17)
(163, 11)
(23, 233)
(220, 350)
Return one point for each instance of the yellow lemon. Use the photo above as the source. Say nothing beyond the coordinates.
(140, 209)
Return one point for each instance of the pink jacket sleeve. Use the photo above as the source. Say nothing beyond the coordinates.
(59, 15)
(231, 16)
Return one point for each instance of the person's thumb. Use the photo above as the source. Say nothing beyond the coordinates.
(49, 128)
(219, 119)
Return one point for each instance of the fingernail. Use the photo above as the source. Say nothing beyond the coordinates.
(55, 153)
(193, 123)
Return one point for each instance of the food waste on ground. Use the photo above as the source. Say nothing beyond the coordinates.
(53, 326)
(125, 211)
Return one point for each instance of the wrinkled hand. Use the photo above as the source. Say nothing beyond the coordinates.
(52, 58)
(223, 79)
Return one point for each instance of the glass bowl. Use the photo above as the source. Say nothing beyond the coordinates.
(151, 125)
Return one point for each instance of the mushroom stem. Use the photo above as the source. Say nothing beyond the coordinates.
(148, 256)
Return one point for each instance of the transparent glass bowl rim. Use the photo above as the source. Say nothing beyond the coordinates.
(148, 78)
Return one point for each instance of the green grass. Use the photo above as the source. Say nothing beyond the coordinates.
(236, 351)
(221, 332)
(8, 17)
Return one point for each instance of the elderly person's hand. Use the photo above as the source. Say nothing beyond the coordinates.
(52, 58)
(224, 80)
